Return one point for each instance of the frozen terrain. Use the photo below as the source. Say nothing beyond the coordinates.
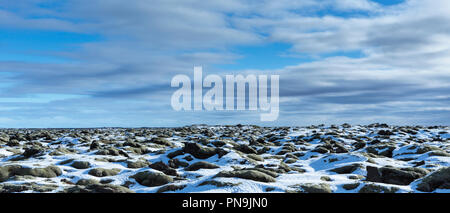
(317, 159)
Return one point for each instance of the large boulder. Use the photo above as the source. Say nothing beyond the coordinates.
(80, 164)
(33, 151)
(246, 149)
(161, 141)
(316, 188)
(175, 163)
(397, 176)
(111, 151)
(384, 149)
(137, 164)
(85, 182)
(12, 170)
(34, 187)
(202, 152)
(98, 188)
(161, 166)
(150, 179)
(247, 174)
(373, 188)
(348, 169)
(101, 172)
(439, 179)
(201, 165)
(170, 188)
(47, 172)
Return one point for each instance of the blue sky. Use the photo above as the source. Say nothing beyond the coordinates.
(109, 63)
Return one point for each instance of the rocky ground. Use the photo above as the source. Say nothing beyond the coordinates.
(317, 159)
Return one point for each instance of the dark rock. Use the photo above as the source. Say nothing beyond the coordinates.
(321, 150)
(12, 170)
(34, 187)
(316, 188)
(382, 149)
(350, 186)
(202, 152)
(247, 174)
(112, 151)
(373, 174)
(373, 188)
(94, 145)
(98, 188)
(13, 143)
(161, 166)
(106, 181)
(439, 179)
(161, 141)
(47, 172)
(218, 143)
(150, 179)
(403, 176)
(348, 169)
(246, 149)
(176, 163)
(175, 153)
(86, 182)
(33, 151)
(201, 165)
(170, 188)
(338, 148)
(359, 145)
(218, 183)
(385, 132)
(101, 172)
(255, 157)
(80, 164)
(188, 158)
(66, 161)
(137, 164)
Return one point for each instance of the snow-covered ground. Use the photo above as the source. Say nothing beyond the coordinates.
(199, 158)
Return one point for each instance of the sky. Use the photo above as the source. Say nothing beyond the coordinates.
(109, 63)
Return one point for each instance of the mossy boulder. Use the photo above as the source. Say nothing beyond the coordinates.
(166, 169)
(33, 151)
(218, 183)
(201, 165)
(111, 151)
(315, 188)
(34, 187)
(86, 182)
(245, 149)
(374, 188)
(149, 178)
(170, 188)
(12, 170)
(101, 172)
(202, 152)
(161, 141)
(255, 157)
(348, 169)
(439, 179)
(397, 176)
(80, 164)
(97, 188)
(137, 164)
(350, 186)
(247, 174)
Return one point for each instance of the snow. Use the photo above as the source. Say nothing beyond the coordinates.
(315, 167)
